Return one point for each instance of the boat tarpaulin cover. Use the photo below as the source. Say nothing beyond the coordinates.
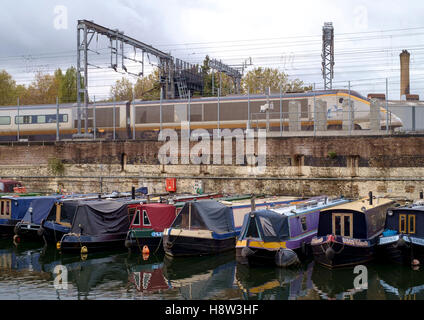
(39, 209)
(206, 215)
(19, 206)
(101, 217)
(271, 225)
(160, 215)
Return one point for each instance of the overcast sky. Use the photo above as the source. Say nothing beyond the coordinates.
(41, 36)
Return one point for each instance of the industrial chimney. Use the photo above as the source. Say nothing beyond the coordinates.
(404, 73)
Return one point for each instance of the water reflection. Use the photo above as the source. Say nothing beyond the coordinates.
(210, 277)
(275, 283)
(27, 272)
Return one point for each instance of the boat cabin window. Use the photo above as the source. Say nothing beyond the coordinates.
(5, 208)
(303, 223)
(146, 220)
(402, 223)
(411, 223)
(136, 221)
(342, 224)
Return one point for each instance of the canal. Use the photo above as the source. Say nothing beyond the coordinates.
(30, 271)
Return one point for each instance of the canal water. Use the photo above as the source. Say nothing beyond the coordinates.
(29, 271)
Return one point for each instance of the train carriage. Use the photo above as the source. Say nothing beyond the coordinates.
(143, 118)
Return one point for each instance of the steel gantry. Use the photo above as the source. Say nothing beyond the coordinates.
(328, 54)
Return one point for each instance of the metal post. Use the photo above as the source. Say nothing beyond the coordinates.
(114, 118)
(160, 110)
(315, 113)
(350, 112)
(189, 111)
(19, 120)
(213, 83)
(387, 105)
(219, 96)
(57, 119)
(85, 80)
(248, 107)
(94, 119)
(281, 111)
(133, 109)
(267, 110)
(78, 81)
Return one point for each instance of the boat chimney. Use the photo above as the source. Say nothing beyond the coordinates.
(99, 196)
(370, 197)
(404, 73)
(133, 192)
(252, 203)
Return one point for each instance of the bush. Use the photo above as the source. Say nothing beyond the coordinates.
(56, 167)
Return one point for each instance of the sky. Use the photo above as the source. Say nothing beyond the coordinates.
(41, 36)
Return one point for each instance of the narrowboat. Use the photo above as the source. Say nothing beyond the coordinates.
(348, 233)
(403, 238)
(281, 236)
(243, 206)
(201, 228)
(58, 221)
(97, 225)
(147, 225)
(145, 232)
(38, 210)
(12, 210)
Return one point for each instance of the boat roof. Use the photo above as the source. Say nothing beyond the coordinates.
(361, 205)
(413, 207)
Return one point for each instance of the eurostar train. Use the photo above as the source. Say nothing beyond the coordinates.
(142, 118)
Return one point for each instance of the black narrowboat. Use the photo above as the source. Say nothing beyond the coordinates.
(201, 228)
(403, 238)
(97, 225)
(348, 234)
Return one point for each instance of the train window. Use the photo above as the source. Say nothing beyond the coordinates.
(23, 120)
(4, 120)
(49, 118)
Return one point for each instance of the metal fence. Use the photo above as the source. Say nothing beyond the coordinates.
(317, 112)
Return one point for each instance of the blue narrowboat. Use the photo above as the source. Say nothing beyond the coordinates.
(12, 210)
(201, 228)
(403, 238)
(38, 210)
(281, 236)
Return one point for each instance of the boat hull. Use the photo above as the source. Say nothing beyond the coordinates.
(74, 243)
(53, 232)
(193, 246)
(136, 243)
(28, 231)
(390, 249)
(340, 252)
(7, 227)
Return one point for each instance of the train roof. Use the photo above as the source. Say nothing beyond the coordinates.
(306, 94)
